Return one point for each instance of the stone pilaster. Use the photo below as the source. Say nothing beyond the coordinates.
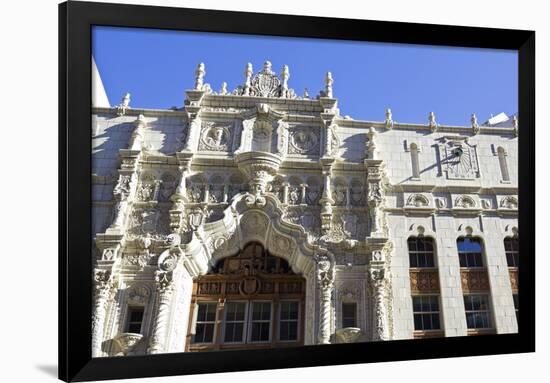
(165, 290)
(326, 200)
(379, 288)
(102, 293)
(375, 198)
(325, 280)
(125, 189)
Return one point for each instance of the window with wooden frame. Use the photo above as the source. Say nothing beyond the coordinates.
(426, 312)
(470, 252)
(478, 312)
(421, 252)
(249, 300)
(511, 246)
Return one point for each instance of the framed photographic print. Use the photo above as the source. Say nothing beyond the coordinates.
(289, 191)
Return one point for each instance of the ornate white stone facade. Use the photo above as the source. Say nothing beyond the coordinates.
(174, 191)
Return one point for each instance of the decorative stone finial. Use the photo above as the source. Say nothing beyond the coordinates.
(328, 84)
(285, 75)
(371, 144)
(431, 122)
(306, 93)
(248, 71)
(199, 76)
(124, 104)
(475, 125)
(267, 67)
(515, 125)
(223, 90)
(389, 119)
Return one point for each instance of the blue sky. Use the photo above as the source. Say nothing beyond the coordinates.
(157, 66)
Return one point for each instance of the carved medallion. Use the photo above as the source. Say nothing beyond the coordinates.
(214, 137)
(303, 141)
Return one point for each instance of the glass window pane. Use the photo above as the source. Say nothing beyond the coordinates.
(349, 314)
(418, 322)
(136, 315)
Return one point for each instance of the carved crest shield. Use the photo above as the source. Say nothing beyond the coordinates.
(250, 286)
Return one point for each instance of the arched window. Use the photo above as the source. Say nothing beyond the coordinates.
(470, 252)
(414, 161)
(511, 246)
(249, 300)
(503, 164)
(421, 252)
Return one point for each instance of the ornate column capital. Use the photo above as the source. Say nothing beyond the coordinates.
(103, 280)
(164, 281)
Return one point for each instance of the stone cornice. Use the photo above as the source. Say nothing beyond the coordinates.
(288, 106)
(454, 129)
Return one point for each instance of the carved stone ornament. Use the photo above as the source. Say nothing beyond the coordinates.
(348, 334)
(417, 200)
(265, 83)
(303, 140)
(195, 193)
(164, 280)
(127, 342)
(173, 240)
(168, 261)
(122, 188)
(441, 203)
(102, 279)
(196, 217)
(465, 202)
(459, 158)
(140, 260)
(215, 137)
(509, 202)
(138, 295)
(144, 221)
(334, 142)
(325, 272)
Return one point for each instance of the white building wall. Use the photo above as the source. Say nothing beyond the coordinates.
(166, 134)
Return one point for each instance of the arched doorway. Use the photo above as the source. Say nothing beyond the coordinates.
(249, 300)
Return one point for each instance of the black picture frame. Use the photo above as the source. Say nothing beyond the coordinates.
(75, 237)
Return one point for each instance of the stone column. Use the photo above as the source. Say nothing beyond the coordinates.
(165, 289)
(326, 202)
(325, 279)
(206, 193)
(225, 193)
(156, 190)
(303, 194)
(102, 292)
(379, 291)
(285, 193)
